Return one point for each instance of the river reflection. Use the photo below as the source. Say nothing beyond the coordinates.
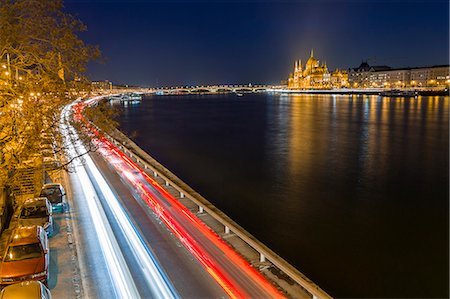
(352, 190)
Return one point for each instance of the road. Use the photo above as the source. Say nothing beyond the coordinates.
(136, 240)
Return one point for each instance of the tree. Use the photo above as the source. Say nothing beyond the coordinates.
(42, 62)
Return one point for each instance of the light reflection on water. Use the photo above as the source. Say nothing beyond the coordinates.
(353, 190)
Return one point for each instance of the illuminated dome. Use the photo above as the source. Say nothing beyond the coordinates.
(312, 62)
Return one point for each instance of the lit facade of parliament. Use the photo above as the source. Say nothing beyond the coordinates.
(316, 76)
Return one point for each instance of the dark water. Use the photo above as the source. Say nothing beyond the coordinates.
(352, 190)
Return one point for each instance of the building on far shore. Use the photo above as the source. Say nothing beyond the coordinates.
(316, 76)
(102, 85)
(366, 76)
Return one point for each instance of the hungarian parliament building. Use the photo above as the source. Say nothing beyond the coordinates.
(314, 75)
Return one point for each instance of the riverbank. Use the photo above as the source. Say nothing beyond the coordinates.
(367, 91)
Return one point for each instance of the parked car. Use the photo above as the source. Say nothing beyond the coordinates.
(26, 290)
(26, 256)
(56, 195)
(37, 211)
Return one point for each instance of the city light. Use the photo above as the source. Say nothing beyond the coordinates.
(321, 164)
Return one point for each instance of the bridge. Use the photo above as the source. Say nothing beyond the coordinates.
(238, 88)
(249, 88)
(211, 89)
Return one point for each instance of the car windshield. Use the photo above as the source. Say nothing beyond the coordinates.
(34, 212)
(23, 252)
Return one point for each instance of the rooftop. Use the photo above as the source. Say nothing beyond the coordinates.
(37, 201)
(23, 290)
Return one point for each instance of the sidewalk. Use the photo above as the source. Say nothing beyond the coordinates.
(65, 280)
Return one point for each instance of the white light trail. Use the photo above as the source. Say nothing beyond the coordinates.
(117, 267)
(155, 277)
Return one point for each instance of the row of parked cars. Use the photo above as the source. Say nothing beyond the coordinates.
(24, 258)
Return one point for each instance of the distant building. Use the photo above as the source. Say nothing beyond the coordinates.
(430, 76)
(316, 76)
(366, 76)
(102, 85)
(361, 76)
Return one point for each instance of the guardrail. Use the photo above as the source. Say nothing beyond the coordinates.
(170, 179)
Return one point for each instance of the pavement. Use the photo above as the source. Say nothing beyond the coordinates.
(64, 279)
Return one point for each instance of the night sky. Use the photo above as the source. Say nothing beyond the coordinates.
(161, 43)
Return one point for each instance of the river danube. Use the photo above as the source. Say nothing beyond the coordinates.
(352, 190)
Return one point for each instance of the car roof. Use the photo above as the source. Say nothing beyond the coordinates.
(51, 185)
(23, 290)
(24, 235)
(37, 201)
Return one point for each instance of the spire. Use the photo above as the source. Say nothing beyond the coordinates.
(300, 64)
(312, 52)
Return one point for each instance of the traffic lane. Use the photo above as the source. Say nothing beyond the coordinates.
(94, 273)
(184, 271)
(138, 277)
(230, 267)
